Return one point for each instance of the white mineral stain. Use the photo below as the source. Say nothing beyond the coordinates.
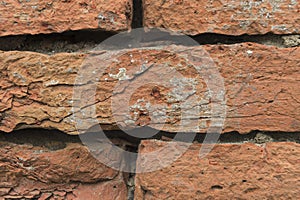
(52, 82)
(280, 27)
(19, 76)
(101, 16)
(121, 75)
(249, 52)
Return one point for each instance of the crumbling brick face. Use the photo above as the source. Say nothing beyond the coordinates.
(67, 172)
(258, 60)
(260, 82)
(225, 17)
(229, 171)
(37, 16)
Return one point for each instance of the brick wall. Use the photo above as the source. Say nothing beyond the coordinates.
(47, 109)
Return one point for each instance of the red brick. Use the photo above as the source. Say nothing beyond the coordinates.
(36, 16)
(261, 84)
(229, 171)
(225, 17)
(70, 172)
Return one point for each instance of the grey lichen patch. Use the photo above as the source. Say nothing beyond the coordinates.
(248, 5)
(182, 89)
(294, 2)
(19, 77)
(244, 24)
(275, 4)
(291, 40)
(280, 27)
(141, 106)
(157, 112)
(108, 17)
(261, 138)
(255, 10)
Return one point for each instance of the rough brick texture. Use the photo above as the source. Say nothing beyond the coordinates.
(229, 171)
(261, 84)
(226, 16)
(70, 172)
(169, 88)
(39, 16)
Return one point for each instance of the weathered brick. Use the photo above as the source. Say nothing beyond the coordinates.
(229, 171)
(224, 17)
(36, 16)
(69, 172)
(261, 84)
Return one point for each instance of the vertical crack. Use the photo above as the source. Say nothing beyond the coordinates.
(131, 186)
(138, 14)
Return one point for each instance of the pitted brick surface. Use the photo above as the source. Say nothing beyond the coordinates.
(225, 17)
(261, 85)
(36, 172)
(229, 171)
(51, 16)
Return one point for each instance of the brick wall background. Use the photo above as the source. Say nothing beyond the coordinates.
(255, 46)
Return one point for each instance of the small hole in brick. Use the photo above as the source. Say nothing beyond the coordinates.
(199, 192)
(244, 181)
(143, 119)
(155, 92)
(216, 187)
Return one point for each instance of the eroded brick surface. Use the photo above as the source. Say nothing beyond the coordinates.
(226, 17)
(36, 16)
(28, 172)
(229, 171)
(260, 82)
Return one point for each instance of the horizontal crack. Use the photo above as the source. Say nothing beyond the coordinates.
(54, 139)
(87, 40)
(69, 41)
(271, 39)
